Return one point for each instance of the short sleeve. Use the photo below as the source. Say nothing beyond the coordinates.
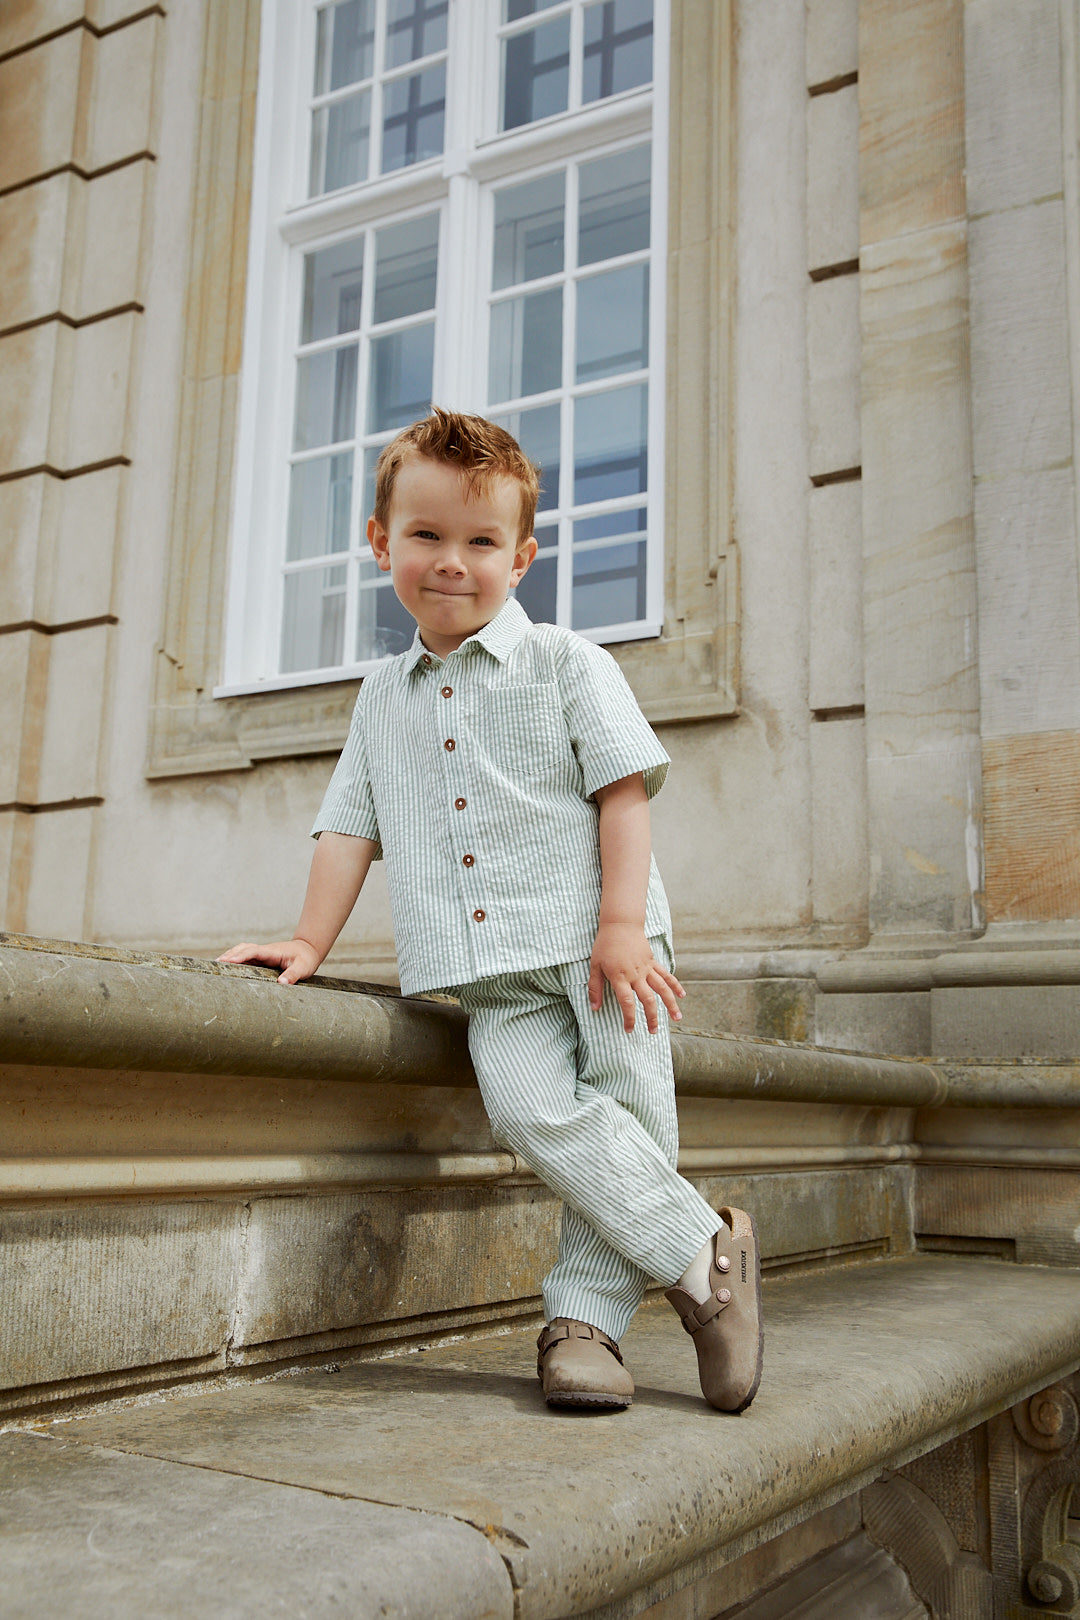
(610, 735)
(348, 804)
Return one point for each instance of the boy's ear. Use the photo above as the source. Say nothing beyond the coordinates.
(379, 541)
(523, 557)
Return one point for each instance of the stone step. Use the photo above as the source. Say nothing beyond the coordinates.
(438, 1485)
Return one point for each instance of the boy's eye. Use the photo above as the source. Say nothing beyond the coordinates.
(426, 534)
(482, 540)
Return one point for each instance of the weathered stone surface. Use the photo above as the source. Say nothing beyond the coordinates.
(1019, 339)
(316, 1265)
(1030, 786)
(1013, 116)
(1032, 1214)
(832, 169)
(911, 92)
(883, 1021)
(838, 765)
(832, 344)
(836, 596)
(71, 737)
(1006, 1021)
(59, 848)
(127, 1286)
(832, 40)
(922, 1358)
(848, 1582)
(91, 1532)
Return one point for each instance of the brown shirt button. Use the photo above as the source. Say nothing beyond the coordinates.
(478, 915)
(459, 804)
(468, 860)
(448, 691)
(449, 745)
(426, 661)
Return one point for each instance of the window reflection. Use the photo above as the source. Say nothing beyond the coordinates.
(613, 323)
(406, 261)
(399, 386)
(333, 285)
(325, 398)
(536, 73)
(526, 345)
(414, 28)
(618, 48)
(320, 500)
(611, 444)
(413, 113)
(529, 231)
(313, 622)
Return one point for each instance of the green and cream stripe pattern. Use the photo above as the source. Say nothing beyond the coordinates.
(591, 1109)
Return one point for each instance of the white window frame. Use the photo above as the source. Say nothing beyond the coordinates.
(459, 185)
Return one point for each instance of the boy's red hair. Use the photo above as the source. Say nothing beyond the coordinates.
(480, 450)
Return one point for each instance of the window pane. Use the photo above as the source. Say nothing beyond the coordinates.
(406, 262)
(399, 386)
(609, 586)
(536, 73)
(537, 432)
(614, 210)
(340, 144)
(610, 526)
(515, 9)
(537, 591)
(325, 398)
(613, 322)
(333, 279)
(344, 43)
(413, 111)
(383, 626)
(313, 627)
(610, 444)
(529, 231)
(320, 495)
(618, 48)
(414, 28)
(526, 345)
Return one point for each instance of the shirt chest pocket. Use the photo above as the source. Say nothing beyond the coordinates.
(520, 731)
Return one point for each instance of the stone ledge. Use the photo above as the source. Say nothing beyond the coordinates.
(89, 1007)
(865, 1370)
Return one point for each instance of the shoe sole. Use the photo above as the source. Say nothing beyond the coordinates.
(614, 1403)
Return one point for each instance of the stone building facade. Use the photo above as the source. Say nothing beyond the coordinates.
(867, 671)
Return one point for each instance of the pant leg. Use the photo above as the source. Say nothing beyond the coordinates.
(591, 1110)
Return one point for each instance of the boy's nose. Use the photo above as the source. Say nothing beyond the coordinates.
(450, 563)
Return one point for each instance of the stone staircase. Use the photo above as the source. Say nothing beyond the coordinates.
(270, 1296)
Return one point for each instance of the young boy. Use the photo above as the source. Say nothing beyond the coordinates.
(504, 771)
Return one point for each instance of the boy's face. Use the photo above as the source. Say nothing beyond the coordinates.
(453, 556)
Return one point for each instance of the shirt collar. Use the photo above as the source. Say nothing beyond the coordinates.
(499, 636)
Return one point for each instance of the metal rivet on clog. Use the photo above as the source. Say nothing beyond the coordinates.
(723, 1295)
(723, 1263)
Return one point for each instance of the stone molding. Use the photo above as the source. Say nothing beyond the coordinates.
(690, 672)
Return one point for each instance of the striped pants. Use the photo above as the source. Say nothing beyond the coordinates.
(591, 1110)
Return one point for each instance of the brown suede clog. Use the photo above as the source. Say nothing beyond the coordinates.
(727, 1328)
(580, 1366)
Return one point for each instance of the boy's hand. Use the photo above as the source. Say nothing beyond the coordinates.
(299, 959)
(622, 956)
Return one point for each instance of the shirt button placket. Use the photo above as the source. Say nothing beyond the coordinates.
(460, 802)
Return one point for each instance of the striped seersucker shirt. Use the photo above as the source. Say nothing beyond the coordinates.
(475, 773)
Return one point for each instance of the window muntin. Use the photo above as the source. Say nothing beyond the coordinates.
(580, 340)
(531, 296)
(556, 58)
(380, 329)
(379, 94)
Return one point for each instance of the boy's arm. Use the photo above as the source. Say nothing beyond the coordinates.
(338, 869)
(621, 953)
